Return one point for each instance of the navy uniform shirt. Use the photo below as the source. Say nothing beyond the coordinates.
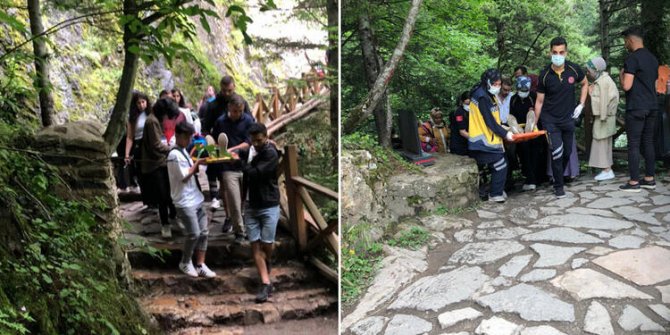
(642, 95)
(458, 121)
(559, 92)
(237, 132)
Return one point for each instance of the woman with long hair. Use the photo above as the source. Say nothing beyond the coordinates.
(140, 108)
(154, 164)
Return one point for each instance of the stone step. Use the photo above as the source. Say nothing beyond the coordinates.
(236, 280)
(221, 252)
(174, 312)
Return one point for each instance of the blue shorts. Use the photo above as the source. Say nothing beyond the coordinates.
(261, 224)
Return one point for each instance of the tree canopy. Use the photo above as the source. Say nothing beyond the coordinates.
(455, 41)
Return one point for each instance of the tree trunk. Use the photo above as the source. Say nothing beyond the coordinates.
(117, 121)
(656, 37)
(604, 11)
(332, 9)
(373, 65)
(361, 112)
(42, 83)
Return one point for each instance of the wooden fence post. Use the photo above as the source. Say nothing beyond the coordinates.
(296, 209)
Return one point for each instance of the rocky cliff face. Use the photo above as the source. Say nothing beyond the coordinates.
(87, 60)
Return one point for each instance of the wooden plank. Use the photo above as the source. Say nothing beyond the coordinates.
(316, 187)
(325, 270)
(331, 241)
(318, 239)
(296, 209)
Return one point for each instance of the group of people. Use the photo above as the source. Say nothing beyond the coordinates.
(159, 143)
(480, 127)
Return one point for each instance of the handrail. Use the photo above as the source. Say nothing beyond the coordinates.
(298, 199)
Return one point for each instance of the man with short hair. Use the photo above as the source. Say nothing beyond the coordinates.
(215, 109)
(187, 197)
(262, 213)
(556, 104)
(638, 80)
(504, 98)
(233, 129)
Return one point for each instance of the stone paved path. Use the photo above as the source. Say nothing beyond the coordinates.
(596, 262)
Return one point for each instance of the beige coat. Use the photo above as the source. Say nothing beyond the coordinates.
(604, 102)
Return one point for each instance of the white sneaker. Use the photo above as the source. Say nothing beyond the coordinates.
(604, 175)
(216, 203)
(204, 271)
(528, 187)
(188, 269)
(177, 223)
(497, 198)
(166, 232)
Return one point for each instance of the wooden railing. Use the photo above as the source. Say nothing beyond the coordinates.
(305, 221)
(296, 102)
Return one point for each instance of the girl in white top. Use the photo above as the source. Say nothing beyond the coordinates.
(140, 107)
(181, 102)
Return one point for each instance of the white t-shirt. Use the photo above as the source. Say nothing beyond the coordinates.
(184, 194)
(139, 125)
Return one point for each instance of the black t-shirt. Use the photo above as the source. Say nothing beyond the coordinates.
(519, 106)
(643, 65)
(559, 92)
(458, 121)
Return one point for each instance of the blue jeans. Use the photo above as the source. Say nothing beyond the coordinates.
(261, 224)
(195, 222)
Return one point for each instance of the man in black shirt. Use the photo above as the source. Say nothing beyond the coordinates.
(638, 79)
(458, 122)
(556, 103)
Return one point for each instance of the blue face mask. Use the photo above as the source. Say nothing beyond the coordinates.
(557, 60)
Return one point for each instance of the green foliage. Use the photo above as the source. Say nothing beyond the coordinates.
(359, 261)
(413, 239)
(56, 260)
(387, 160)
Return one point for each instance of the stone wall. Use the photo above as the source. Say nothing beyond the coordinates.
(77, 150)
(450, 183)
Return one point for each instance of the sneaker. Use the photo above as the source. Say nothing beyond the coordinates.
(627, 187)
(560, 193)
(204, 271)
(650, 185)
(134, 189)
(188, 269)
(177, 223)
(166, 232)
(528, 187)
(264, 292)
(497, 198)
(227, 226)
(239, 238)
(216, 203)
(604, 175)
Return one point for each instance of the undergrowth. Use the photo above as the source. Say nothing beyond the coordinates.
(57, 262)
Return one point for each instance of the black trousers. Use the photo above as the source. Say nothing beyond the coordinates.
(158, 187)
(560, 148)
(497, 165)
(640, 132)
(530, 155)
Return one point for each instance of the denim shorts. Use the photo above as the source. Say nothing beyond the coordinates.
(261, 224)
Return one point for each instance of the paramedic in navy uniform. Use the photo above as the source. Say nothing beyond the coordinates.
(556, 104)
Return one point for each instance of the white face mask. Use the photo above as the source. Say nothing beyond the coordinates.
(494, 90)
(557, 60)
(466, 107)
(523, 95)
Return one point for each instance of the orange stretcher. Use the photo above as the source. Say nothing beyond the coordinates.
(517, 138)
